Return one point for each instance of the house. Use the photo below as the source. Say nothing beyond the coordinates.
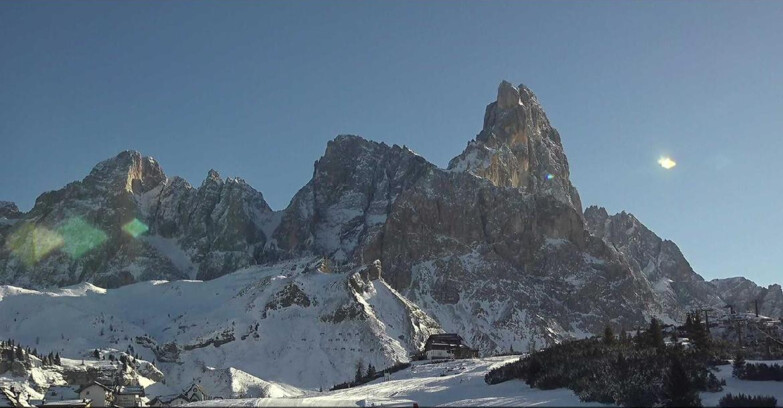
(168, 400)
(195, 393)
(100, 395)
(447, 346)
(61, 393)
(128, 396)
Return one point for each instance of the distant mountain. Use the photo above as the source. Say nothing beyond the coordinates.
(495, 247)
(677, 286)
(743, 294)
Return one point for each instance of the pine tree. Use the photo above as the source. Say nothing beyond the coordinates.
(608, 335)
(678, 390)
(655, 334)
(370, 371)
(358, 376)
(58, 362)
(19, 353)
(738, 368)
(96, 354)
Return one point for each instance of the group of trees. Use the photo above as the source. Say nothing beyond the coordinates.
(363, 377)
(12, 351)
(635, 370)
(743, 400)
(756, 371)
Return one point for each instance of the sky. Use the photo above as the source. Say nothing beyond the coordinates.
(256, 89)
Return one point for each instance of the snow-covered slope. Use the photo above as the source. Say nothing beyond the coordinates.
(287, 323)
(461, 383)
(453, 383)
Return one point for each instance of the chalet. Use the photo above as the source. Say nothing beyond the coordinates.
(168, 400)
(196, 393)
(100, 395)
(128, 396)
(447, 346)
(61, 393)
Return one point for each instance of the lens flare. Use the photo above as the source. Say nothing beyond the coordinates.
(31, 243)
(666, 162)
(80, 237)
(550, 176)
(135, 228)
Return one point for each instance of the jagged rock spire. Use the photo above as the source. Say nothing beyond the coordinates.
(519, 148)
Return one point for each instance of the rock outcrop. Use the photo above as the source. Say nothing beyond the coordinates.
(744, 294)
(666, 270)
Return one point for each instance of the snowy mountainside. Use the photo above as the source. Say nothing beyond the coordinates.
(287, 323)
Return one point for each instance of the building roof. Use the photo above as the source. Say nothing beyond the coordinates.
(449, 340)
(130, 390)
(61, 392)
(68, 403)
(84, 387)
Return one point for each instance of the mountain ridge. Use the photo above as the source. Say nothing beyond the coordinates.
(495, 246)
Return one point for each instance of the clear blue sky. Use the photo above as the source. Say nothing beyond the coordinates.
(256, 89)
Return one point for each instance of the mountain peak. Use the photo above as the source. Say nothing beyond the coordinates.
(9, 209)
(129, 170)
(518, 148)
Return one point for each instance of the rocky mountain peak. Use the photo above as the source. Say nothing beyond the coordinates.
(9, 210)
(518, 148)
(128, 171)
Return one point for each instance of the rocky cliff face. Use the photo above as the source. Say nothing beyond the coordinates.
(519, 148)
(9, 210)
(127, 222)
(743, 295)
(499, 253)
(660, 261)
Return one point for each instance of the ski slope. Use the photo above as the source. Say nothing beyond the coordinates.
(451, 383)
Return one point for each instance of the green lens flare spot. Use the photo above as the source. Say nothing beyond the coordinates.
(80, 237)
(31, 243)
(135, 228)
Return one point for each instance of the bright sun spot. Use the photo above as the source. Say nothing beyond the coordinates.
(666, 163)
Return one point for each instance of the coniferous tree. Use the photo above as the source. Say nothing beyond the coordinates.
(655, 334)
(608, 335)
(738, 368)
(57, 360)
(96, 354)
(370, 371)
(359, 375)
(678, 388)
(19, 353)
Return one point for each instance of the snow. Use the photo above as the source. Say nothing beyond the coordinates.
(170, 248)
(450, 383)
(227, 330)
(736, 386)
